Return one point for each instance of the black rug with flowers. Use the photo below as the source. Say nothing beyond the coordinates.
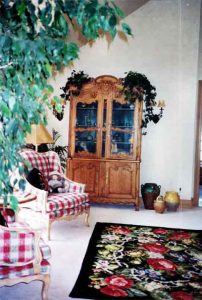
(141, 262)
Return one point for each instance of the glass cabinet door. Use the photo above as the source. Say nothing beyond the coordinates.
(86, 115)
(122, 129)
(122, 115)
(85, 141)
(86, 129)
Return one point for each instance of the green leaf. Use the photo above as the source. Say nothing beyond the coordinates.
(49, 88)
(21, 8)
(126, 28)
(21, 184)
(135, 292)
(113, 32)
(57, 99)
(119, 12)
(113, 21)
(159, 294)
(48, 68)
(13, 203)
(5, 110)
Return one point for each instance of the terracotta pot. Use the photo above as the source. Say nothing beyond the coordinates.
(150, 191)
(159, 205)
(172, 200)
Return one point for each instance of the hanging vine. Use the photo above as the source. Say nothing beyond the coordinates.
(136, 87)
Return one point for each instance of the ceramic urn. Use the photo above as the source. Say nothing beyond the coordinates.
(159, 205)
(150, 191)
(172, 200)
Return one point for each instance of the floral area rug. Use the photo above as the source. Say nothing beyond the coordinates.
(141, 262)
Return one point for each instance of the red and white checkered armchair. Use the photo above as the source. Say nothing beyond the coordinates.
(56, 206)
(23, 257)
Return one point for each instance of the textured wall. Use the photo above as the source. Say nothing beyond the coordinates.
(200, 48)
(165, 49)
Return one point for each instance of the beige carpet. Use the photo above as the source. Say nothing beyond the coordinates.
(70, 240)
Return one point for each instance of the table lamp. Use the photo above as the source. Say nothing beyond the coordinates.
(39, 135)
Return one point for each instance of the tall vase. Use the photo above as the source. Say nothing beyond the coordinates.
(150, 191)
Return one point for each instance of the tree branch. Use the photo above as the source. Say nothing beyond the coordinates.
(6, 66)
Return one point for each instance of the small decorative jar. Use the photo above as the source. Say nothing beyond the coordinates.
(172, 200)
(150, 191)
(159, 205)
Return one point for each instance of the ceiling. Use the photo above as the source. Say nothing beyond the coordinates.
(128, 6)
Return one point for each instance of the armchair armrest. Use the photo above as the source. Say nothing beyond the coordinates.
(41, 197)
(22, 247)
(75, 187)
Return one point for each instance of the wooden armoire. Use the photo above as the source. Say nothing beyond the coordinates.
(105, 142)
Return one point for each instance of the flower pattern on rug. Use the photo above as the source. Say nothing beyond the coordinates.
(147, 263)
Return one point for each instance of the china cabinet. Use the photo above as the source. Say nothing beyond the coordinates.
(105, 141)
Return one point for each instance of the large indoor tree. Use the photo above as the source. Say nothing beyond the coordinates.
(34, 45)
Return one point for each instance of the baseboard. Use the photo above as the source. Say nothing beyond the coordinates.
(184, 203)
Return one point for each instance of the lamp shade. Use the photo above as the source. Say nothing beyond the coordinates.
(39, 135)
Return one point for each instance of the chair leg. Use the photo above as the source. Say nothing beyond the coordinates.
(45, 286)
(87, 214)
(49, 230)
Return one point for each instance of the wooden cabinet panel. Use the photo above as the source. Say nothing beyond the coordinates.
(120, 179)
(86, 172)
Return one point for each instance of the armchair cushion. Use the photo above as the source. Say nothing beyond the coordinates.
(65, 200)
(18, 252)
(19, 271)
(69, 211)
(16, 247)
(46, 162)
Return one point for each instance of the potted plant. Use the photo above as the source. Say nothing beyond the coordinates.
(136, 87)
(34, 46)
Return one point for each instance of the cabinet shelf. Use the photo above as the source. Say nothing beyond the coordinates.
(85, 141)
(86, 108)
(124, 143)
(125, 127)
(85, 127)
(124, 109)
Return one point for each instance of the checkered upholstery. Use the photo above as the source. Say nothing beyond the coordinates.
(19, 246)
(16, 247)
(18, 252)
(55, 206)
(46, 163)
(65, 200)
(19, 271)
(69, 211)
